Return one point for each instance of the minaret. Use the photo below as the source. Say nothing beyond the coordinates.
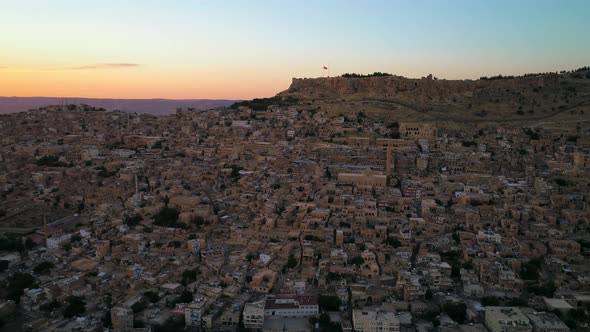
(388, 161)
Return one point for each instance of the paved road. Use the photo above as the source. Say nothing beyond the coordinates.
(62, 223)
(17, 230)
(445, 116)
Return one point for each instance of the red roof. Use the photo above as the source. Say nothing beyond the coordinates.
(308, 299)
(37, 238)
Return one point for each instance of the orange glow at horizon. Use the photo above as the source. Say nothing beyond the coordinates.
(248, 49)
(137, 84)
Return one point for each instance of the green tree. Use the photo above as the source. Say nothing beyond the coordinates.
(490, 301)
(29, 243)
(11, 243)
(325, 323)
(235, 172)
(357, 260)
(76, 307)
(531, 270)
(291, 262)
(16, 285)
(311, 237)
(43, 267)
(138, 306)
(185, 297)
(329, 303)
(104, 173)
(151, 296)
(4, 265)
(167, 217)
(547, 289)
(456, 310)
(394, 242)
(50, 306)
(393, 125)
(50, 161)
(198, 221)
(517, 302)
(67, 246)
(133, 220)
(189, 276)
(170, 325)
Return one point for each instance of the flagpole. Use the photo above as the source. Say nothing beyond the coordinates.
(325, 71)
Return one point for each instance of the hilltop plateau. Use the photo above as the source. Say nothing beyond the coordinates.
(557, 97)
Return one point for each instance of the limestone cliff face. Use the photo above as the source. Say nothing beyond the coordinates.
(424, 90)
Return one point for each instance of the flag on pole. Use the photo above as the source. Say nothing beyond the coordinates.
(325, 68)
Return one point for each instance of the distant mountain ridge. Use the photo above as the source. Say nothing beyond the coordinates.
(148, 106)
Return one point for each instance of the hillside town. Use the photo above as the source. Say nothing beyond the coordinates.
(283, 217)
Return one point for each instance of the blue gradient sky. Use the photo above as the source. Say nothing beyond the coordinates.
(245, 49)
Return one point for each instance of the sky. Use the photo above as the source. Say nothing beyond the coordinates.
(253, 48)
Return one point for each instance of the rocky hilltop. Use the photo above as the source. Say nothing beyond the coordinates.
(418, 90)
(538, 95)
